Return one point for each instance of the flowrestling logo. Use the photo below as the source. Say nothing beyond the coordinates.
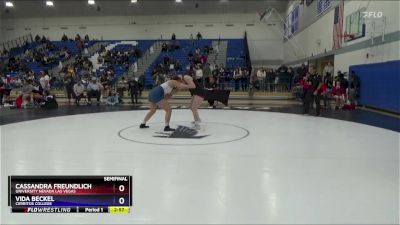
(185, 134)
(181, 132)
(372, 14)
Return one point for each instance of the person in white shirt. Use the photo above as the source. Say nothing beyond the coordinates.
(328, 69)
(199, 74)
(44, 81)
(94, 90)
(79, 89)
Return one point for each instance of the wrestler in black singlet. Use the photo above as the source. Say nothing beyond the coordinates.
(199, 90)
(210, 95)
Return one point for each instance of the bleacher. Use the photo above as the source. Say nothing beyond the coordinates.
(180, 54)
(143, 46)
(236, 53)
(17, 51)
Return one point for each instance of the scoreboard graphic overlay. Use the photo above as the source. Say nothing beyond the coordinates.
(70, 194)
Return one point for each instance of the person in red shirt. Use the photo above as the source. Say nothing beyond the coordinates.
(338, 94)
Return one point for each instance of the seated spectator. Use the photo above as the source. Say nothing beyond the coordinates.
(178, 65)
(79, 90)
(190, 56)
(164, 47)
(112, 98)
(93, 90)
(173, 37)
(87, 38)
(339, 95)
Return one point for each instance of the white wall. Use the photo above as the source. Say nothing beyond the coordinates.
(376, 53)
(265, 43)
(322, 30)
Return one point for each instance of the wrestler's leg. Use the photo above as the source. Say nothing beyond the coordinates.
(195, 104)
(153, 109)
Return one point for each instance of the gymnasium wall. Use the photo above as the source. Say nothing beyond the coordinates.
(310, 36)
(264, 43)
(1, 29)
(379, 85)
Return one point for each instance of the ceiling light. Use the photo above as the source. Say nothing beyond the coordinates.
(50, 3)
(133, 1)
(91, 2)
(9, 4)
(178, 1)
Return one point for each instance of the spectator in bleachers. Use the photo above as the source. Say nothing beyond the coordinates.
(199, 36)
(339, 95)
(245, 78)
(254, 84)
(77, 37)
(44, 40)
(94, 90)
(199, 75)
(262, 77)
(164, 47)
(190, 56)
(64, 38)
(344, 83)
(173, 37)
(237, 76)
(86, 39)
(178, 65)
(207, 73)
(37, 38)
(44, 81)
(158, 78)
(78, 91)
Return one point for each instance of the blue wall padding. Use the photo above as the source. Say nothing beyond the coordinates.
(379, 85)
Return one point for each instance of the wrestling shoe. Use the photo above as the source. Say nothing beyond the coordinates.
(143, 126)
(167, 128)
